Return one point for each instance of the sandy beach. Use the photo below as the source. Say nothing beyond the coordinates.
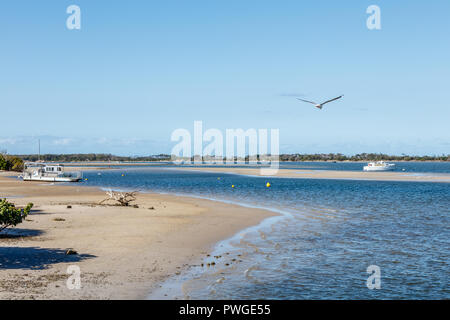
(331, 174)
(122, 252)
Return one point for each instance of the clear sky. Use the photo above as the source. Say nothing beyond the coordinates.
(137, 70)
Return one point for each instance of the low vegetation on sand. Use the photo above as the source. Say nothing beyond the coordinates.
(10, 216)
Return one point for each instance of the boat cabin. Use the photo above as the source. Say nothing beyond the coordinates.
(54, 168)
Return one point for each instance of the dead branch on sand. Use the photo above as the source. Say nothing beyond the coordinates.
(123, 198)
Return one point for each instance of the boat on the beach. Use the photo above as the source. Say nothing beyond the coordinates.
(379, 166)
(49, 172)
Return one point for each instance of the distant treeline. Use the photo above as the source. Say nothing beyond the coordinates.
(359, 157)
(92, 157)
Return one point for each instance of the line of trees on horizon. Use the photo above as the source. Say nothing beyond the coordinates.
(93, 157)
(360, 157)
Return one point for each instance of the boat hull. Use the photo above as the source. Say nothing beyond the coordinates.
(374, 168)
(52, 179)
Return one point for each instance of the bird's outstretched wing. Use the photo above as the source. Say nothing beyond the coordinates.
(332, 100)
(307, 101)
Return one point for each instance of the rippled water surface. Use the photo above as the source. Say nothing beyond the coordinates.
(330, 231)
(414, 167)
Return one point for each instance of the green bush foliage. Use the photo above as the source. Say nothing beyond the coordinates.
(10, 216)
(11, 163)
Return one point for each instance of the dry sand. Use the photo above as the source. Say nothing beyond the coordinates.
(332, 174)
(123, 252)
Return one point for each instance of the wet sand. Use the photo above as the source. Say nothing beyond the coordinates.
(332, 174)
(123, 252)
(284, 173)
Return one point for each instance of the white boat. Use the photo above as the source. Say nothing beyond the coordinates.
(49, 172)
(379, 166)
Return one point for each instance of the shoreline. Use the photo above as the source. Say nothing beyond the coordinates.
(123, 252)
(209, 162)
(304, 173)
(175, 287)
(329, 174)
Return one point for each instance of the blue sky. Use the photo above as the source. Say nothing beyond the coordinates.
(137, 70)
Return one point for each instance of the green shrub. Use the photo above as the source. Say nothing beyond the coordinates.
(11, 216)
(3, 163)
(10, 163)
(15, 163)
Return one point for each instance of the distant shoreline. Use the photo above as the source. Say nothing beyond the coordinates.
(118, 163)
(284, 157)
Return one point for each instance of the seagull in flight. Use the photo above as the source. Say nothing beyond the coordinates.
(320, 105)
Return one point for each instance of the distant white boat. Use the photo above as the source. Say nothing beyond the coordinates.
(379, 166)
(49, 172)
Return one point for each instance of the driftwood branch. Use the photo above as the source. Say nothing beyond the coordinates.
(123, 198)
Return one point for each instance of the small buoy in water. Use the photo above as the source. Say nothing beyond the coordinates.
(123, 175)
(232, 185)
(218, 178)
(86, 179)
(268, 184)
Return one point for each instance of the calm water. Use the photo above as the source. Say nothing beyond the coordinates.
(414, 167)
(329, 232)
